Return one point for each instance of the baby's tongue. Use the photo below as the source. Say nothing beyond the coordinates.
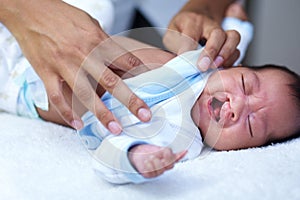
(217, 113)
(216, 105)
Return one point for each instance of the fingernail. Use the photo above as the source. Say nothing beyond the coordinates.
(204, 63)
(77, 124)
(144, 114)
(218, 61)
(114, 127)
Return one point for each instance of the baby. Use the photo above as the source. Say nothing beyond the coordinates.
(226, 109)
(229, 109)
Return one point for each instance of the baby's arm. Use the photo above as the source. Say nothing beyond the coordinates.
(151, 161)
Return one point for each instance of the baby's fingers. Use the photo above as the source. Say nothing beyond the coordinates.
(180, 155)
(158, 164)
(153, 167)
(174, 159)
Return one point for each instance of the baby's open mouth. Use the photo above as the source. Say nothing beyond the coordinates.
(216, 106)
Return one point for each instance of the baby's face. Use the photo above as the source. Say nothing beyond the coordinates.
(241, 108)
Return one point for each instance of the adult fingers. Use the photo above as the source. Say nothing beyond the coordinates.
(191, 28)
(57, 99)
(115, 56)
(213, 46)
(169, 38)
(229, 48)
(184, 32)
(95, 66)
(231, 60)
(191, 34)
(86, 94)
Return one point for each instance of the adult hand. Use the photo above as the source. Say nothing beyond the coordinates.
(56, 38)
(194, 24)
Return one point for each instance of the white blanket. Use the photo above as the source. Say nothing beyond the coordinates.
(40, 160)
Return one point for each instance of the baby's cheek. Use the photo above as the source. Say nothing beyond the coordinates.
(226, 140)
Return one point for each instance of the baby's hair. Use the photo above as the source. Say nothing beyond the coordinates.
(294, 87)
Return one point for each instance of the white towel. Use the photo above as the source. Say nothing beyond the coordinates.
(40, 160)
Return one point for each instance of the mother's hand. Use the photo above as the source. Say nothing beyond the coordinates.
(56, 38)
(200, 21)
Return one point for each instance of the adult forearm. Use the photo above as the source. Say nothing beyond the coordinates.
(214, 9)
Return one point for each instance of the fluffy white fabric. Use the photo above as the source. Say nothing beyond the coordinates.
(40, 160)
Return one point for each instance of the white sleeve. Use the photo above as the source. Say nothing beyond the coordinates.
(111, 157)
(111, 160)
(109, 152)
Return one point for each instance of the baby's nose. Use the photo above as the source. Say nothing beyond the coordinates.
(228, 114)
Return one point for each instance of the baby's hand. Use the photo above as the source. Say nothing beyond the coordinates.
(151, 161)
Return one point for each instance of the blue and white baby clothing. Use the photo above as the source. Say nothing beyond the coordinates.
(170, 99)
